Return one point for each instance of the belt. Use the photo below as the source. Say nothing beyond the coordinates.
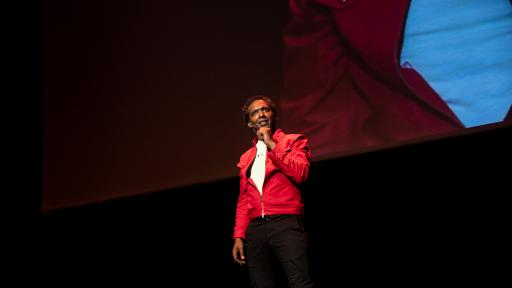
(268, 218)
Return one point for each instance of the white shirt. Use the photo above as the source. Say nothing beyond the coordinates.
(258, 167)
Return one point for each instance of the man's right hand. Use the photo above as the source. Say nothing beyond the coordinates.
(265, 134)
(238, 251)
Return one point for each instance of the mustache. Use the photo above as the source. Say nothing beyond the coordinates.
(263, 122)
(257, 125)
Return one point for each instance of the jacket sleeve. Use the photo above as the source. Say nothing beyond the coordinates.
(241, 219)
(292, 158)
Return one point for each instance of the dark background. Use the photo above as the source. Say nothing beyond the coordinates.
(144, 96)
(428, 213)
(431, 212)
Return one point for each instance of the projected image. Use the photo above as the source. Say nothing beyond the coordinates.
(361, 74)
(141, 97)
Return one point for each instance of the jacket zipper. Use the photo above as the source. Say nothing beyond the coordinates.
(262, 207)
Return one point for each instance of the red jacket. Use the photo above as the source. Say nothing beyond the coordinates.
(286, 166)
(343, 83)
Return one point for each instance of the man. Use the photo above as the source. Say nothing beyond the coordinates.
(269, 210)
(364, 73)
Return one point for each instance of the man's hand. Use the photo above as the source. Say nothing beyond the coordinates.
(265, 134)
(238, 251)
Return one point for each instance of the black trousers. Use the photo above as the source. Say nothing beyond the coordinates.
(282, 236)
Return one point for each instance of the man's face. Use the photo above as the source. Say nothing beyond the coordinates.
(260, 115)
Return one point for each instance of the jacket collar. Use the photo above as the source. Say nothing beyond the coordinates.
(277, 134)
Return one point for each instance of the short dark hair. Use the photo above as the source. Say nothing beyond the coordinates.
(245, 108)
